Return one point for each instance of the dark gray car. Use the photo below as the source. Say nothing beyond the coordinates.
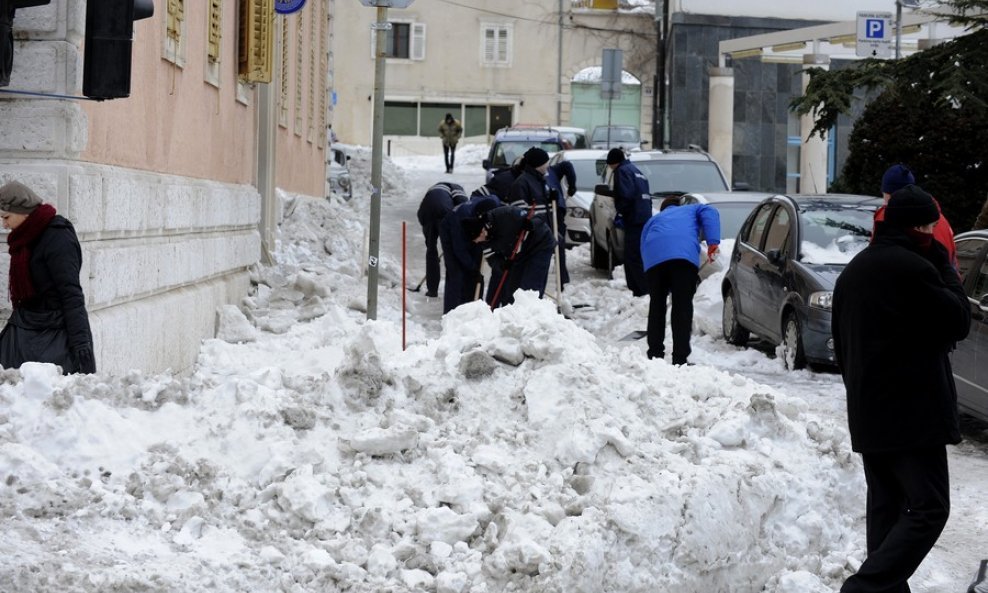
(970, 359)
(780, 280)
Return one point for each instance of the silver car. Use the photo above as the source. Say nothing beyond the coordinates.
(338, 178)
(585, 163)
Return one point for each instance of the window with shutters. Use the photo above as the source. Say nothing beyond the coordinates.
(495, 45)
(174, 50)
(255, 54)
(405, 41)
(313, 46)
(299, 64)
(214, 34)
(323, 89)
(284, 82)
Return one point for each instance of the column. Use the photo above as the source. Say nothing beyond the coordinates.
(720, 126)
(813, 151)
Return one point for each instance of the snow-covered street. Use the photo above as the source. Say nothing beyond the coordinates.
(514, 450)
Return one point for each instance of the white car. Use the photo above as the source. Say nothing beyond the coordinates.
(589, 165)
(338, 178)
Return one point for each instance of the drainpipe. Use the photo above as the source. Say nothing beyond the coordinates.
(559, 70)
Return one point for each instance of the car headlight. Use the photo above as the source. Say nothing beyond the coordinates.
(576, 212)
(822, 300)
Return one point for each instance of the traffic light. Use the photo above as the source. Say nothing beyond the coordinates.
(109, 37)
(7, 9)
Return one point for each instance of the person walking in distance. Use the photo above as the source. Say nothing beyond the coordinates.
(898, 309)
(633, 203)
(49, 322)
(450, 131)
(670, 249)
(439, 200)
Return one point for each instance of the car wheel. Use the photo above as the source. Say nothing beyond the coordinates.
(792, 343)
(610, 256)
(734, 332)
(598, 259)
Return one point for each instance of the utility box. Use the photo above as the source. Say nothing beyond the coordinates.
(604, 4)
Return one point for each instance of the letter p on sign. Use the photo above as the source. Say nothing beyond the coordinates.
(875, 28)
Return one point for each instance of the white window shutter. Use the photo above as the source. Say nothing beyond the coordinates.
(373, 48)
(504, 46)
(489, 45)
(418, 41)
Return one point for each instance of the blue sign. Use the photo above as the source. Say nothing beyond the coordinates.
(288, 6)
(875, 28)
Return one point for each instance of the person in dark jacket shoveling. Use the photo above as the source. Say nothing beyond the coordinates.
(898, 310)
(49, 322)
(520, 245)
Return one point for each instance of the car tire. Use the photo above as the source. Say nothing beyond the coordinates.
(598, 259)
(793, 355)
(734, 333)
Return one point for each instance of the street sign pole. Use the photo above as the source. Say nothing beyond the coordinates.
(381, 28)
(377, 156)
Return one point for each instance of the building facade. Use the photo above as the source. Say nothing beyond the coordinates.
(172, 189)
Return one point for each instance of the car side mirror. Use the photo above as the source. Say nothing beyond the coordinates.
(774, 256)
(740, 186)
(486, 163)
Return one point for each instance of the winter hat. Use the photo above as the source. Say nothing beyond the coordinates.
(17, 198)
(473, 226)
(895, 178)
(535, 157)
(911, 207)
(615, 156)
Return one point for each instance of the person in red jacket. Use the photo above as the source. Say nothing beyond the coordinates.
(899, 176)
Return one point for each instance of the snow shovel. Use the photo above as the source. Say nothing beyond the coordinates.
(418, 286)
(511, 258)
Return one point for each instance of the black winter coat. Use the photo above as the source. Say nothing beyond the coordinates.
(530, 190)
(506, 224)
(897, 312)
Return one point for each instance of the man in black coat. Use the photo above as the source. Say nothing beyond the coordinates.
(898, 309)
(529, 191)
(438, 201)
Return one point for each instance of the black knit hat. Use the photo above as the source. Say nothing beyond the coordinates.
(473, 226)
(615, 156)
(535, 157)
(911, 207)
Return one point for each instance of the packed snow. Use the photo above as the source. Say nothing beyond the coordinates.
(514, 450)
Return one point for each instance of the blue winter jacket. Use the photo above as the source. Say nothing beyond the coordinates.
(632, 198)
(674, 233)
(554, 179)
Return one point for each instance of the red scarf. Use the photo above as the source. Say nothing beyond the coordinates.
(21, 240)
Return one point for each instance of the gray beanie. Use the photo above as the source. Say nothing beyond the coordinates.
(17, 198)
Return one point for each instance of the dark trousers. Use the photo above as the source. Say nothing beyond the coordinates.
(634, 269)
(430, 230)
(677, 277)
(529, 273)
(908, 505)
(449, 153)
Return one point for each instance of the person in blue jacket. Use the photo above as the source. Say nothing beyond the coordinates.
(633, 203)
(438, 201)
(670, 251)
(553, 179)
(462, 255)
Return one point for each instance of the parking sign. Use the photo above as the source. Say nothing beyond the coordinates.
(874, 35)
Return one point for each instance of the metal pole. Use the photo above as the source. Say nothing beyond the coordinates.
(373, 259)
(559, 70)
(898, 28)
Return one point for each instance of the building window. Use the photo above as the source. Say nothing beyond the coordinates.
(214, 28)
(405, 41)
(495, 45)
(283, 81)
(175, 32)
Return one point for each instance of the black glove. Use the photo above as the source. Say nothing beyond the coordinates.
(82, 356)
(507, 265)
(527, 224)
(571, 190)
(938, 255)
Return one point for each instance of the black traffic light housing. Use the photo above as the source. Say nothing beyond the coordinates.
(109, 37)
(7, 8)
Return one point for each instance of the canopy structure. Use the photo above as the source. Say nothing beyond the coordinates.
(814, 46)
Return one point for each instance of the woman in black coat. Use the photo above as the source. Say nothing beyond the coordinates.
(49, 322)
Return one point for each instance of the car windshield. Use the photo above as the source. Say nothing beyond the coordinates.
(617, 135)
(732, 216)
(586, 174)
(507, 151)
(684, 176)
(834, 235)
